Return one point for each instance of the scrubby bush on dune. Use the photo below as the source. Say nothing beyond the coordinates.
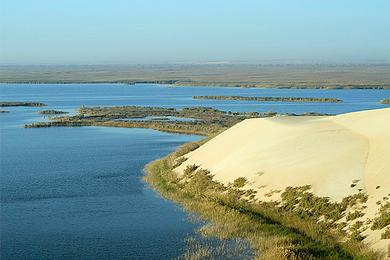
(354, 215)
(179, 161)
(184, 149)
(383, 218)
(239, 182)
(275, 230)
(355, 231)
(386, 234)
(190, 169)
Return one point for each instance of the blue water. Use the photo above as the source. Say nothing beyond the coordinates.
(78, 193)
(70, 96)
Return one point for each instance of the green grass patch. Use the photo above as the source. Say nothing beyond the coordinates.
(386, 234)
(239, 182)
(383, 218)
(271, 99)
(354, 215)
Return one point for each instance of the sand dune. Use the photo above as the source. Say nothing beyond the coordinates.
(331, 154)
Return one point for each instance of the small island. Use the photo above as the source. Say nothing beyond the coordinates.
(21, 104)
(241, 194)
(272, 99)
(206, 121)
(51, 112)
(386, 101)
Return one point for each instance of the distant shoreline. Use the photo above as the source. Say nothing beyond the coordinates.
(234, 75)
(209, 178)
(194, 84)
(271, 99)
(21, 104)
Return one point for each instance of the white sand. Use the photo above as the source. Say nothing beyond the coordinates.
(328, 153)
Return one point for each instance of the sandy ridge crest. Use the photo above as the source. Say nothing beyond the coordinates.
(329, 153)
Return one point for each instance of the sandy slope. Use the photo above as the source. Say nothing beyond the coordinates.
(328, 153)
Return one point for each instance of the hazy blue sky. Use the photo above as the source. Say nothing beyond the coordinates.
(186, 31)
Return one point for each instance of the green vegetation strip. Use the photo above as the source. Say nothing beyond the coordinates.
(272, 99)
(51, 112)
(286, 230)
(21, 104)
(206, 121)
(386, 101)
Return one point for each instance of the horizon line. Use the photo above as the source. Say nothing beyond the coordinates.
(190, 64)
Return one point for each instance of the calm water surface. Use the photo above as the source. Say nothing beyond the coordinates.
(78, 193)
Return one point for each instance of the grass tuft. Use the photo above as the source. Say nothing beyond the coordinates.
(286, 230)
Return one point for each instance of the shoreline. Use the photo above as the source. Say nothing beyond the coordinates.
(232, 215)
(241, 208)
(271, 99)
(293, 76)
(337, 158)
(208, 84)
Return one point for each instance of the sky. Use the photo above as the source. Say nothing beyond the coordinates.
(194, 31)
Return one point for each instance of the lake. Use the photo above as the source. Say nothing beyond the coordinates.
(78, 192)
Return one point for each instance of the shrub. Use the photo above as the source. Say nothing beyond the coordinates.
(271, 230)
(239, 182)
(354, 199)
(179, 161)
(354, 215)
(186, 148)
(386, 234)
(190, 169)
(355, 231)
(383, 219)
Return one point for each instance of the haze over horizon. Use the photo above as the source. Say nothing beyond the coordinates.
(173, 31)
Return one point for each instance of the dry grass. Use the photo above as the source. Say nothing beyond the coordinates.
(274, 231)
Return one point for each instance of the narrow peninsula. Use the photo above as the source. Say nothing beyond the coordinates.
(197, 120)
(272, 99)
(51, 112)
(21, 104)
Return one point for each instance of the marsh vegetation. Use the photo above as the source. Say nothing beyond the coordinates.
(206, 121)
(383, 217)
(272, 99)
(51, 112)
(288, 229)
(21, 104)
(228, 75)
